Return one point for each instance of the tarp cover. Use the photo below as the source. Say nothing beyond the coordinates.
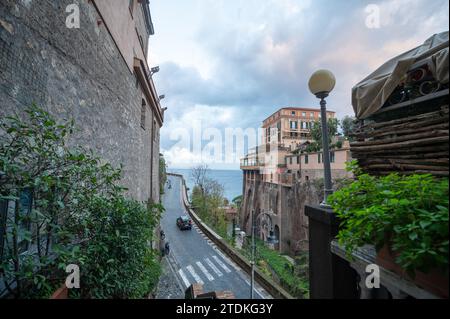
(369, 95)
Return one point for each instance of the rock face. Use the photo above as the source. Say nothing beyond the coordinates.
(79, 74)
(285, 205)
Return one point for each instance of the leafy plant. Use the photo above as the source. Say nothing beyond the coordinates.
(316, 131)
(408, 213)
(66, 206)
(271, 261)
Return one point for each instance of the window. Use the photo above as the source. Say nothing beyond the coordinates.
(141, 41)
(319, 157)
(293, 125)
(298, 160)
(137, 80)
(306, 159)
(306, 178)
(293, 113)
(312, 114)
(143, 109)
(155, 137)
(304, 114)
(290, 160)
(332, 157)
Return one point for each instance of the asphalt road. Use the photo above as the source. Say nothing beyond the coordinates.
(194, 258)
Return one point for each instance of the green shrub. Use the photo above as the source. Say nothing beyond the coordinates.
(70, 207)
(409, 213)
(296, 285)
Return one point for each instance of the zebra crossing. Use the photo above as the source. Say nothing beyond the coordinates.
(208, 269)
(213, 267)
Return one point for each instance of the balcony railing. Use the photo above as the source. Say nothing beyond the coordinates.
(251, 163)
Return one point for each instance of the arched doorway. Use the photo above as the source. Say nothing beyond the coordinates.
(276, 233)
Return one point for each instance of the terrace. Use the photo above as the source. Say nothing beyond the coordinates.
(386, 234)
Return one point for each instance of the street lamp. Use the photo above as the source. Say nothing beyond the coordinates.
(154, 70)
(321, 83)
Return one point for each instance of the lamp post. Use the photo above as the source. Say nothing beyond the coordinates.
(321, 83)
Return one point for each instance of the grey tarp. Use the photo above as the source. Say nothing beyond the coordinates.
(369, 95)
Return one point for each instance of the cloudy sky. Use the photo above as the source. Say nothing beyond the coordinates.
(231, 63)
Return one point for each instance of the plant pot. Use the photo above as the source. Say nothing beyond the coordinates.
(434, 281)
(61, 293)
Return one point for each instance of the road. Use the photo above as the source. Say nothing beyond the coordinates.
(194, 258)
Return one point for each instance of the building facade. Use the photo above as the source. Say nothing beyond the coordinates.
(96, 74)
(291, 126)
(278, 177)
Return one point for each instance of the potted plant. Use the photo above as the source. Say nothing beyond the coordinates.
(406, 218)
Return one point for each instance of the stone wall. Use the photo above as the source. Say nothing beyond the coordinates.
(79, 74)
(287, 205)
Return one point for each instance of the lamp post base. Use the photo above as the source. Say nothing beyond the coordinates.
(325, 205)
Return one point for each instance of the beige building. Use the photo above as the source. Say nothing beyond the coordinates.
(97, 74)
(276, 175)
(284, 132)
(291, 126)
(309, 166)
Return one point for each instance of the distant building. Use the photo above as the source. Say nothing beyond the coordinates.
(291, 126)
(276, 177)
(279, 159)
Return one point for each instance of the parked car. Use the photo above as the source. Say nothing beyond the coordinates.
(184, 223)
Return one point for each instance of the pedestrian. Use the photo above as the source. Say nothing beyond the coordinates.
(167, 248)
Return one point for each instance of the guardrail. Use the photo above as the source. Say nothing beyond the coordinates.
(268, 284)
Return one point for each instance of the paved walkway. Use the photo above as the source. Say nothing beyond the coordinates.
(168, 286)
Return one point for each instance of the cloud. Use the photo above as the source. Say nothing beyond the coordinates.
(260, 55)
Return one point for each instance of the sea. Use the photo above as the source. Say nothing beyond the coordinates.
(231, 180)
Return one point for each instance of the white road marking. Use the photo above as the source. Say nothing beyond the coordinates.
(232, 264)
(256, 290)
(213, 267)
(194, 274)
(183, 276)
(205, 271)
(221, 264)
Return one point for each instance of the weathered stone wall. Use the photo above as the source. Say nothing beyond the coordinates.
(287, 203)
(79, 74)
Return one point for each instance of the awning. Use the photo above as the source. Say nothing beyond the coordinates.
(369, 95)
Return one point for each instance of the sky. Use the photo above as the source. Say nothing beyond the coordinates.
(229, 64)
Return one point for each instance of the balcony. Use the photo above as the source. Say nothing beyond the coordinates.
(251, 164)
(336, 275)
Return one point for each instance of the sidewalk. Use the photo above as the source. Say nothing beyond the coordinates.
(168, 285)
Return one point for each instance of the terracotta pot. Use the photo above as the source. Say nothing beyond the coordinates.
(61, 293)
(434, 281)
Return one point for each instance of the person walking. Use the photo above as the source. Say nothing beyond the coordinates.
(167, 249)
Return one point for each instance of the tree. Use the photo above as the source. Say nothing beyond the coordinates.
(237, 201)
(199, 175)
(348, 126)
(162, 173)
(316, 131)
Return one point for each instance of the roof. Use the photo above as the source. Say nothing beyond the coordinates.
(307, 109)
(148, 17)
(369, 95)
